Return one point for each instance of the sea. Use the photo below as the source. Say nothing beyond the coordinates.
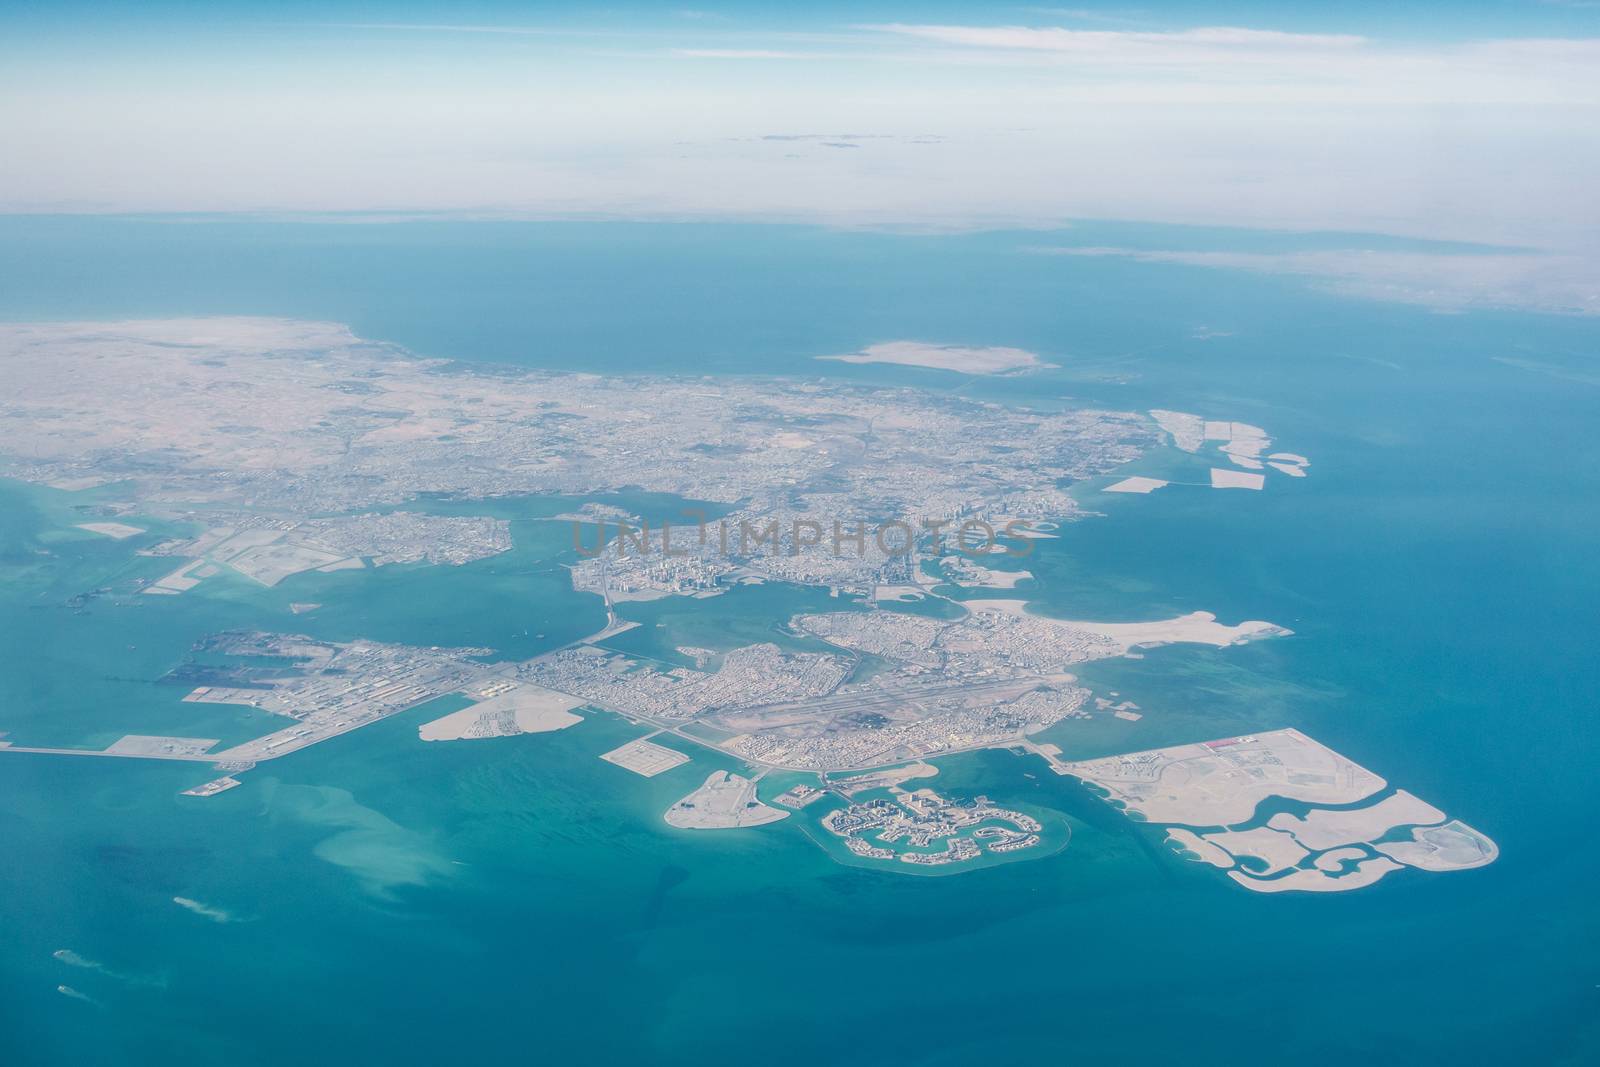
(377, 899)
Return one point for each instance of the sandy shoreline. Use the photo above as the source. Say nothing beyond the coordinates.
(1197, 627)
(964, 360)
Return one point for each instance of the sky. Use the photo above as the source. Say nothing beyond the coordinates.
(1470, 122)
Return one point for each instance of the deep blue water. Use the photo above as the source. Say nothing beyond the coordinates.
(520, 898)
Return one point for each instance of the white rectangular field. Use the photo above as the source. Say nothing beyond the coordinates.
(645, 759)
(1138, 484)
(117, 530)
(1226, 479)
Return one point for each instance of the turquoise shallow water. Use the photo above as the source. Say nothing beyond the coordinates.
(377, 897)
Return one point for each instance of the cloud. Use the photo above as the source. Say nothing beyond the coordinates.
(450, 27)
(827, 136)
(1080, 14)
(1211, 43)
(1490, 141)
(745, 53)
(1274, 66)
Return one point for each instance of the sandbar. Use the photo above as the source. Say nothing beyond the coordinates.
(110, 529)
(1197, 627)
(74, 485)
(966, 360)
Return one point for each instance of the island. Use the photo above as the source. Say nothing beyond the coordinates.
(921, 818)
(723, 801)
(900, 503)
(962, 358)
(1210, 797)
